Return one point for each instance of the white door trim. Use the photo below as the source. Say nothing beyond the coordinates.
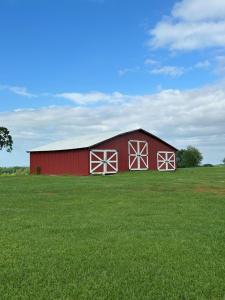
(137, 155)
(105, 162)
(166, 159)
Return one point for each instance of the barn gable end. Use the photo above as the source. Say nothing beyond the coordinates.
(120, 143)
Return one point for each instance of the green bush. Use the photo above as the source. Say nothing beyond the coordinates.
(190, 157)
(14, 171)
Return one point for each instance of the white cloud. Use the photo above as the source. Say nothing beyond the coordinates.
(124, 71)
(181, 117)
(205, 64)
(18, 90)
(168, 70)
(150, 61)
(199, 10)
(193, 24)
(93, 97)
(188, 36)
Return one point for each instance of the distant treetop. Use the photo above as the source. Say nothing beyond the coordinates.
(5, 139)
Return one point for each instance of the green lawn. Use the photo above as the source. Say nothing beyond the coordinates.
(147, 235)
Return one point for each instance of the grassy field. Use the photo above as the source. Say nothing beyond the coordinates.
(147, 235)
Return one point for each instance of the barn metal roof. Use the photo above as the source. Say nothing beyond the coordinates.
(87, 142)
(78, 143)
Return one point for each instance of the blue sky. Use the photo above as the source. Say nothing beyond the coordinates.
(85, 67)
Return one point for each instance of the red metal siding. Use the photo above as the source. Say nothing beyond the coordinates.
(120, 143)
(76, 162)
(68, 162)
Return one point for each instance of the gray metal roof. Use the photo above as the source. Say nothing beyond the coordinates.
(87, 141)
(76, 143)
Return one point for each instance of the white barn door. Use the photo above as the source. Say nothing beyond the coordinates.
(166, 161)
(138, 155)
(103, 162)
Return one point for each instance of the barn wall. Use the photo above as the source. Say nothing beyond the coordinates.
(70, 162)
(121, 145)
(76, 162)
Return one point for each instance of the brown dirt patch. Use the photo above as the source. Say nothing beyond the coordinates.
(205, 189)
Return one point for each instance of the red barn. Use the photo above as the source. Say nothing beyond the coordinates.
(128, 151)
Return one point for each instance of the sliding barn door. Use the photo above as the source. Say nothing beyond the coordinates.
(103, 162)
(166, 161)
(138, 155)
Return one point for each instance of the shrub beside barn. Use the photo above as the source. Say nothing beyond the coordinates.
(129, 151)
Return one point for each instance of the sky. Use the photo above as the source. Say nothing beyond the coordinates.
(80, 68)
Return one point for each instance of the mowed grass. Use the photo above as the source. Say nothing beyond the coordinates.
(146, 235)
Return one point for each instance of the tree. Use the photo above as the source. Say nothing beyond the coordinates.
(224, 161)
(180, 158)
(5, 139)
(190, 157)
